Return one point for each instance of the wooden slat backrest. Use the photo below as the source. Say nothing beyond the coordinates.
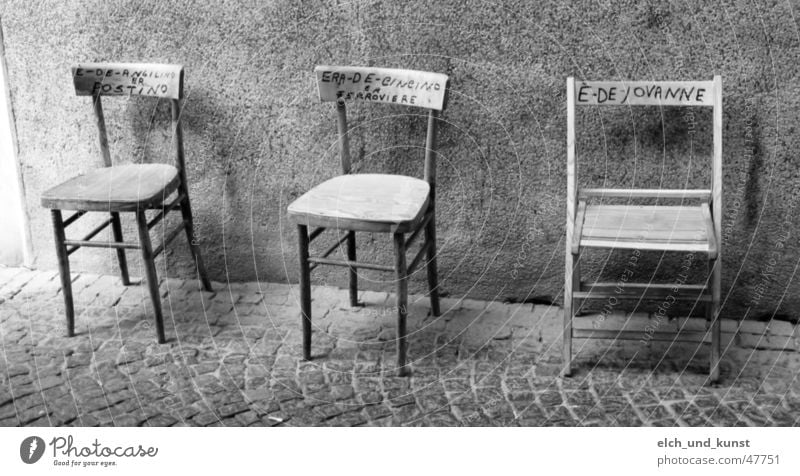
(128, 79)
(132, 79)
(391, 86)
(386, 86)
(644, 93)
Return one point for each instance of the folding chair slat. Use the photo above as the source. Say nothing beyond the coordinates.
(636, 291)
(644, 245)
(688, 336)
(651, 227)
(703, 194)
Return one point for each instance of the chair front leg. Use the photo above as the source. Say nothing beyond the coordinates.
(712, 315)
(305, 289)
(116, 227)
(433, 274)
(569, 279)
(63, 270)
(351, 256)
(401, 271)
(150, 271)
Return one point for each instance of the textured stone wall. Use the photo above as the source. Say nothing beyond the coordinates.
(256, 137)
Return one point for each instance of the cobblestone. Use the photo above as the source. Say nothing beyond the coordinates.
(233, 359)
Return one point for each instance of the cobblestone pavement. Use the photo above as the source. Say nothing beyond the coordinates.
(234, 359)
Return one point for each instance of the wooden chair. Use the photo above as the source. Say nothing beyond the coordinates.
(132, 188)
(375, 203)
(691, 228)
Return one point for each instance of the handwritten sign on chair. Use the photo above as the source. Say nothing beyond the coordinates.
(128, 79)
(391, 86)
(645, 93)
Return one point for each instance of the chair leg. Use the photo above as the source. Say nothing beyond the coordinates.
(569, 279)
(305, 289)
(401, 270)
(150, 270)
(63, 270)
(433, 274)
(351, 256)
(116, 227)
(194, 246)
(712, 314)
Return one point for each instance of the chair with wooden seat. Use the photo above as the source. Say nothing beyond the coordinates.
(376, 203)
(134, 188)
(690, 223)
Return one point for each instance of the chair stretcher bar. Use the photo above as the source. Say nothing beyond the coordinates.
(69, 221)
(97, 244)
(315, 233)
(349, 264)
(85, 241)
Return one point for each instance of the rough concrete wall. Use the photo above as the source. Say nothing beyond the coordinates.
(256, 137)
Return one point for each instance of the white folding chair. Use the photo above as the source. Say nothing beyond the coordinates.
(682, 227)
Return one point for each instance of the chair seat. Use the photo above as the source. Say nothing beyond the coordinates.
(364, 202)
(667, 228)
(118, 188)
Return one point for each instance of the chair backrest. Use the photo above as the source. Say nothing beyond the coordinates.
(387, 86)
(647, 93)
(132, 79)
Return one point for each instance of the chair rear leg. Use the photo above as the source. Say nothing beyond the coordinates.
(433, 273)
(401, 271)
(712, 314)
(194, 246)
(351, 256)
(116, 227)
(150, 270)
(63, 270)
(305, 289)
